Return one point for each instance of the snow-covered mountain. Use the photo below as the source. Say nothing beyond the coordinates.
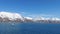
(43, 18)
(10, 16)
(28, 19)
(15, 17)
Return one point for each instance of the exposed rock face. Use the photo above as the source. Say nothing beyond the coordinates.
(1, 19)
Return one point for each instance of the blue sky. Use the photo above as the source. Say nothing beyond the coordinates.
(32, 7)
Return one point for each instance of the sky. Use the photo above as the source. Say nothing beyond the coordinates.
(32, 8)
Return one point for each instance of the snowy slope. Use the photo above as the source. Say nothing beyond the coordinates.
(10, 16)
(28, 18)
(43, 18)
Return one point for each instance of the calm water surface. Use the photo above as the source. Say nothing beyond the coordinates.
(29, 28)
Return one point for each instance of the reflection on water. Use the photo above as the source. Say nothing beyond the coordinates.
(29, 28)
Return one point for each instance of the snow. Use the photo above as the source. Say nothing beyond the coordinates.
(10, 15)
(43, 18)
(29, 18)
(14, 16)
(55, 18)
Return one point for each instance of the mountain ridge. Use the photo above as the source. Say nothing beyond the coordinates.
(15, 17)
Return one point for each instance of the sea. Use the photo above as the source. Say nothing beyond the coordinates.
(29, 28)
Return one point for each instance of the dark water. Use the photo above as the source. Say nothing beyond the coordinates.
(29, 28)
